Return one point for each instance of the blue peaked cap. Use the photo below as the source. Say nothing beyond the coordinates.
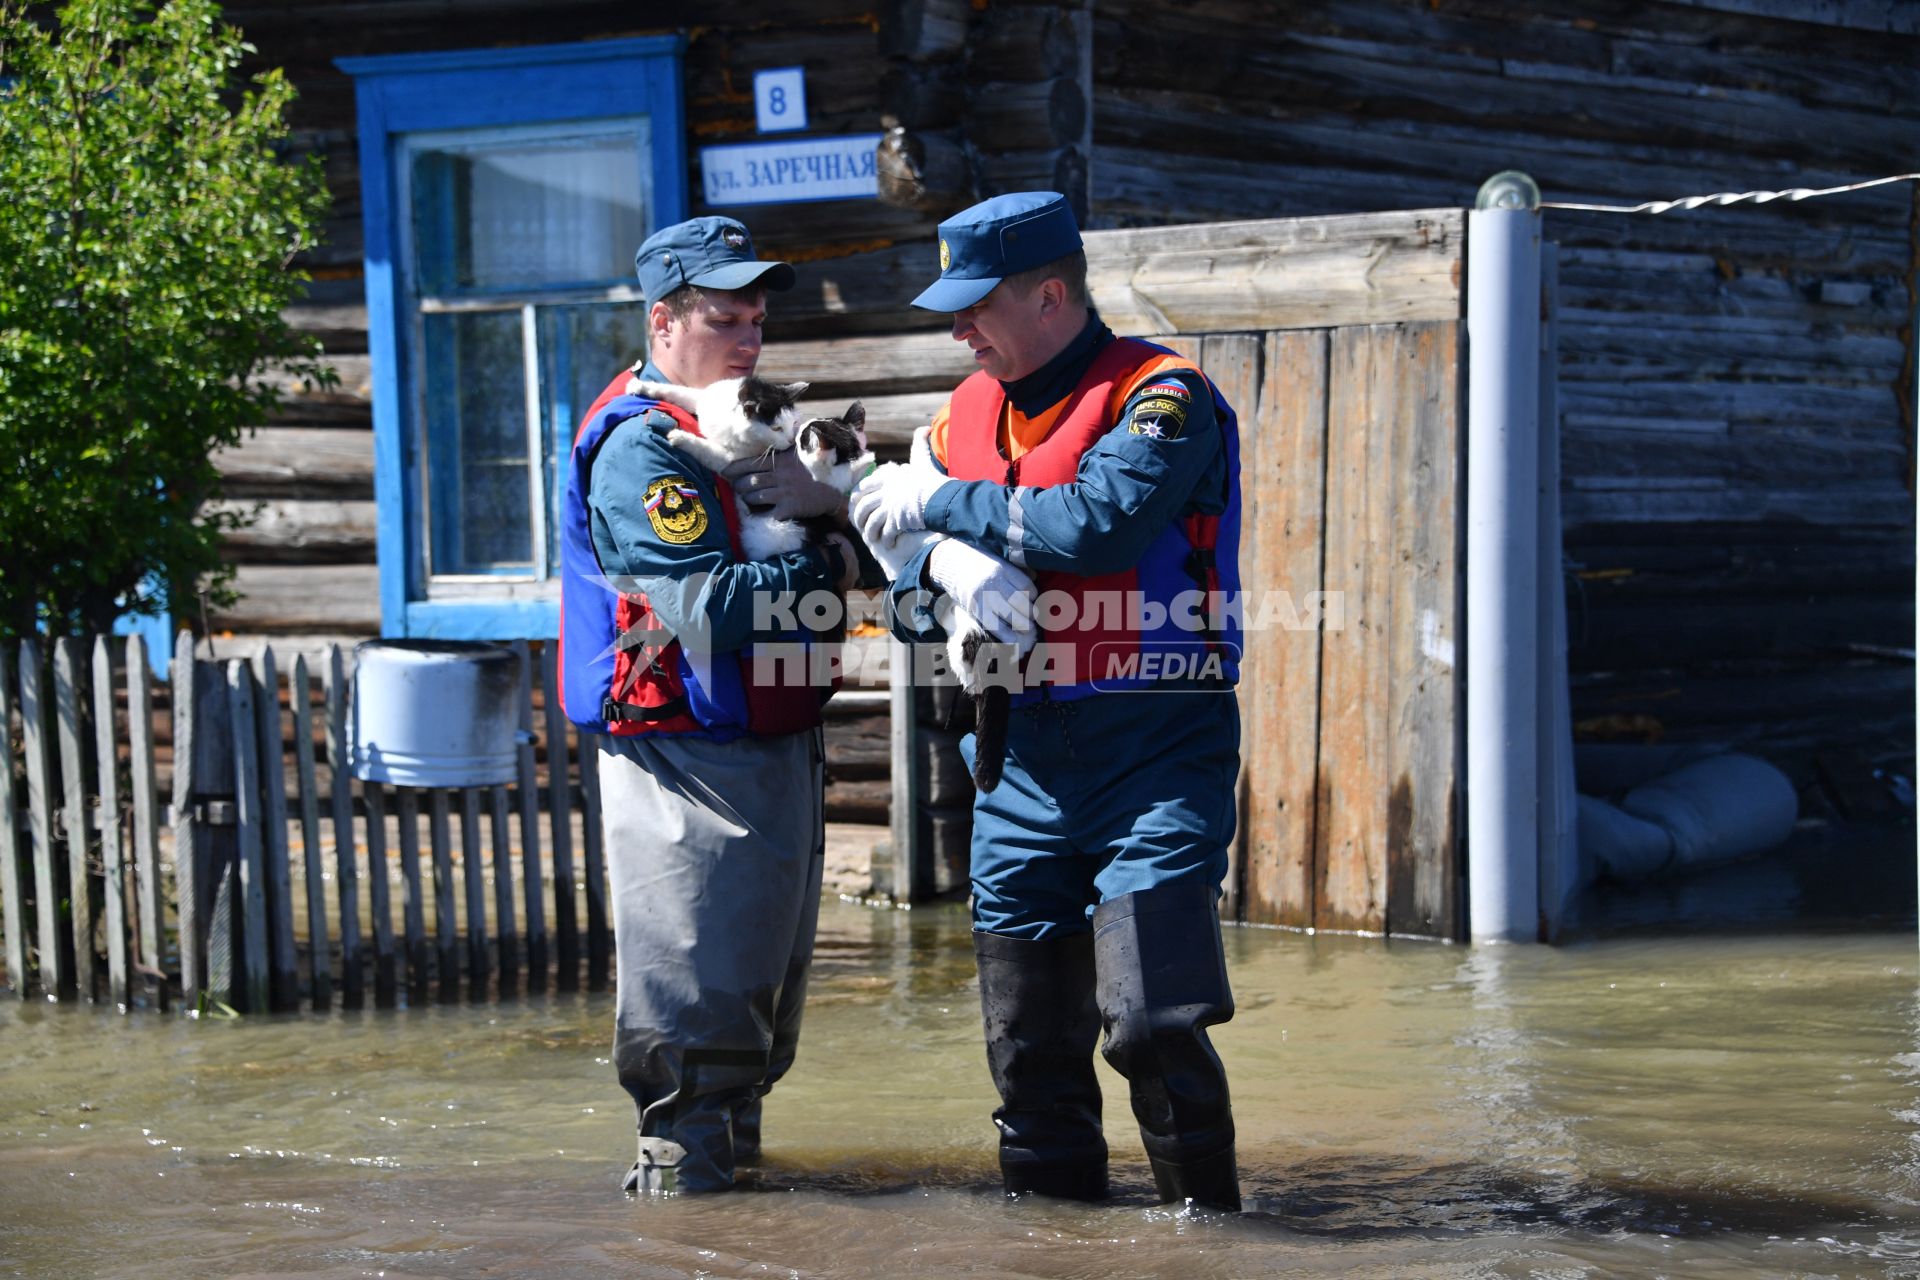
(712, 252)
(997, 238)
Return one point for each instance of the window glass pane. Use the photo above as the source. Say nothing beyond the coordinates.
(477, 465)
(582, 348)
(529, 212)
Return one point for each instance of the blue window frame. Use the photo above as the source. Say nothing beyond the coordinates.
(504, 192)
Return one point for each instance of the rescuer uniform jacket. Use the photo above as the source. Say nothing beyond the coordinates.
(1111, 476)
(659, 612)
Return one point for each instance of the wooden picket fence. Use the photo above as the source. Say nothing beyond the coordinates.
(215, 916)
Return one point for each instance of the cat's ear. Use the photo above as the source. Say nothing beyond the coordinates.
(795, 389)
(855, 416)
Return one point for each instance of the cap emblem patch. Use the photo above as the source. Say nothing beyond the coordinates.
(946, 256)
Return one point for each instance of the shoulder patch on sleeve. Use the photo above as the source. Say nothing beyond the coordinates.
(1158, 415)
(675, 510)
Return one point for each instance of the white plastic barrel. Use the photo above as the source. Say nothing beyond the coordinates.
(434, 713)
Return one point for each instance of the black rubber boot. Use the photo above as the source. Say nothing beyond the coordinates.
(1163, 981)
(1036, 999)
(746, 1133)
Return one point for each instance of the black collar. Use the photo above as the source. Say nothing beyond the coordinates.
(1055, 380)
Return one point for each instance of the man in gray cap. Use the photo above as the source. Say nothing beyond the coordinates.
(710, 767)
(1107, 469)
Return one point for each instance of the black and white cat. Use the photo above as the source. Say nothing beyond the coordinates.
(745, 417)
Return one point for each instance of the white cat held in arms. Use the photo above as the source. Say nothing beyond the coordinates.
(745, 417)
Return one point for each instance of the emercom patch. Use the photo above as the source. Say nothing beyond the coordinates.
(675, 510)
(1158, 417)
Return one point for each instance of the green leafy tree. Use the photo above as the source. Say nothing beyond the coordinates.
(147, 222)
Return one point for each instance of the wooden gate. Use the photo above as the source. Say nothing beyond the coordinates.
(1340, 342)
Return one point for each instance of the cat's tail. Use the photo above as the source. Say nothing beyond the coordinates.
(992, 706)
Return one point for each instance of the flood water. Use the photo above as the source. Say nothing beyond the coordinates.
(1703, 1106)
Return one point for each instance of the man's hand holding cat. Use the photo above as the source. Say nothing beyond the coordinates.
(996, 594)
(893, 500)
(780, 485)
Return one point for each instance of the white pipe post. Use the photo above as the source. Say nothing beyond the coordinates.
(1503, 548)
(1560, 878)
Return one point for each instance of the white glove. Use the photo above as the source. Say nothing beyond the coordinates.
(894, 500)
(894, 553)
(781, 483)
(997, 596)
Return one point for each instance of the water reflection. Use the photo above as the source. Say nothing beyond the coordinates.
(1707, 1106)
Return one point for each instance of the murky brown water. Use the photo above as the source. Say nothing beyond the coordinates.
(1699, 1107)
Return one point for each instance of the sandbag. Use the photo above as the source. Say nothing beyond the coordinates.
(1619, 846)
(1720, 808)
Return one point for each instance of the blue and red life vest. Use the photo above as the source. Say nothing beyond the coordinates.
(1182, 580)
(614, 681)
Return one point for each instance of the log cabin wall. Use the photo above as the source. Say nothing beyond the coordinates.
(1737, 427)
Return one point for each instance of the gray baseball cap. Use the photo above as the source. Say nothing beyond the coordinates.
(712, 252)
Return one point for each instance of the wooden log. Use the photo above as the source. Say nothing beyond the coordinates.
(312, 858)
(379, 904)
(298, 461)
(503, 908)
(871, 368)
(566, 919)
(446, 928)
(70, 715)
(277, 881)
(12, 904)
(113, 858)
(1418, 394)
(252, 980)
(406, 803)
(188, 860)
(924, 30)
(298, 530)
(891, 420)
(532, 873)
(924, 171)
(1026, 44)
(1049, 168)
(592, 842)
(56, 970)
(862, 801)
(859, 292)
(922, 96)
(319, 598)
(149, 893)
(1005, 115)
(355, 385)
(474, 875)
(1283, 474)
(346, 853)
(1300, 273)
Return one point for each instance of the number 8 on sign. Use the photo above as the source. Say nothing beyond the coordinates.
(780, 99)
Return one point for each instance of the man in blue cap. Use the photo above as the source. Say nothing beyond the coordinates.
(710, 769)
(1107, 469)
